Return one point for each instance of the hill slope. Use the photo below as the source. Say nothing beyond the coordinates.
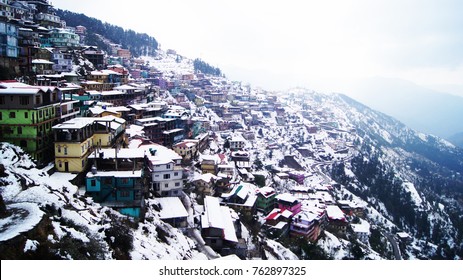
(138, 43)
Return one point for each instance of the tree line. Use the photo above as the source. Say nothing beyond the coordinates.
(138, 43)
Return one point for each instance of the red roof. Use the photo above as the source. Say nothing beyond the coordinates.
(272, 216)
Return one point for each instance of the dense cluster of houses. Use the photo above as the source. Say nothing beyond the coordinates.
(132, 139)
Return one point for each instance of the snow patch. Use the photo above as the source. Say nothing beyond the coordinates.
(24, 217)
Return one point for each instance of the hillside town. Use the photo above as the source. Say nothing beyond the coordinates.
(227, 164)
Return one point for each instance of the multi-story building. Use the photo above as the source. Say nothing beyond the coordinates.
(265, 199)
(9, 44)
(307, 224)
(154, 128)
(73, 144)
(288, 202)
(165, 167)
(82, 32)
(6, 10)
(61, 38)
(124, 53)
(75, 140)
(337, 222)
(124, 73)
(27, 115)
(41, 6)
(237, 143)
(28, 47)
(106, 77)
(121, 190)
(95, 56)
(62, 61)
(110, 132)
(48, 20)
(21, 10)
(41, 63)
(188, 149)
(209, 163)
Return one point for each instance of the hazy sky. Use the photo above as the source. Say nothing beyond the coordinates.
(319, 44)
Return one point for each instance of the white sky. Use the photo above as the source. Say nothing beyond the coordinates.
(318, 44)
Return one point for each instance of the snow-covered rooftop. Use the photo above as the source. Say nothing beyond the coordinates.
(286, 197)
(335, 213)
(171, 207)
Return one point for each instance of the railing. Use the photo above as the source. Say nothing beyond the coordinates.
(70, 112)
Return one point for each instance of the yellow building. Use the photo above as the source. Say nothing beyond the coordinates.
(73, 144)
(109, 132)
(188, 149)
(209, 163)
(76, 138)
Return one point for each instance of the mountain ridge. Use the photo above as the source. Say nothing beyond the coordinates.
(423, 109)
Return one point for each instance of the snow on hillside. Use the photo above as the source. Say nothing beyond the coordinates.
(31, 196)
(170, 63)
(410, 188)
(24, 217)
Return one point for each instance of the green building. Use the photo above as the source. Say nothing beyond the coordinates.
(27, 115)
(266, 197)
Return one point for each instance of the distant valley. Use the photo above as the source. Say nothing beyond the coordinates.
(422, 109)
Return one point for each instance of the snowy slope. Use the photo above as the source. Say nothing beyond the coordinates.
(34, 199)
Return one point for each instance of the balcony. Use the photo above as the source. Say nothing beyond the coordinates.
(69, 113)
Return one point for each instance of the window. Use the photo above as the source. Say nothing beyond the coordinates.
(168, 166)
(166, 176)
(176, 174)
(26, 115)
(2, 100)
(83, 163)
(177, 184)
(65, 150)
(1, 117)
(60, 164)
(20, 130)
(24, 100)
(125, 194)
(125, 180)
(59, 149)
(166, 186)
(92, 183)
(37, 100)
(156, 186)
(107, 180)
(12, 115)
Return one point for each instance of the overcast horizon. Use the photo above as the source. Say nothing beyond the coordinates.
(322, 45)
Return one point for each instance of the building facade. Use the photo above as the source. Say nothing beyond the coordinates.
(27, 115)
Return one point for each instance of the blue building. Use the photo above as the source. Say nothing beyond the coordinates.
(121, 190)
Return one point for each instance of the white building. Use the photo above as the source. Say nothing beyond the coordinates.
(166, 171)
(362, 231)
(237, 143)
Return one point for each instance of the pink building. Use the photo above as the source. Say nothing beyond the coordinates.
(288, 202)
